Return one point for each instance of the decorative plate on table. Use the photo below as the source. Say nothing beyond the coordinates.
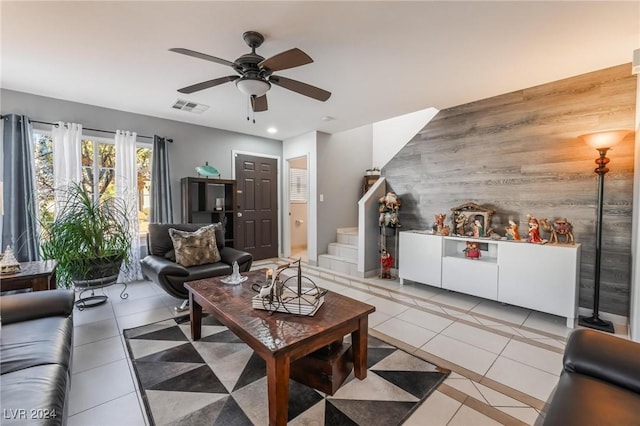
(207, 170)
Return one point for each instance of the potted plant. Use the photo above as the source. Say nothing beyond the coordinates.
(89, 239)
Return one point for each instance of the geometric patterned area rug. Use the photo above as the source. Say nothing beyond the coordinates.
(219, 380)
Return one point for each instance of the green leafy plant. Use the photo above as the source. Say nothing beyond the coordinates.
(89, 239)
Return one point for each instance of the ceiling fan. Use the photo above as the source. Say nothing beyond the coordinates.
(255, 73)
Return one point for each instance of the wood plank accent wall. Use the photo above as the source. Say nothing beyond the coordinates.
(519, 154)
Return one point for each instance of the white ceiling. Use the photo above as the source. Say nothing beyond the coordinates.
(379, 59)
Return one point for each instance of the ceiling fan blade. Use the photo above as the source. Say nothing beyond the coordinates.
(199, 55)
(284, 60)
(259, 104)
(300, 87)
(208, 84)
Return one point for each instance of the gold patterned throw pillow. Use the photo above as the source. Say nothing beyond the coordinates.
(195, 248)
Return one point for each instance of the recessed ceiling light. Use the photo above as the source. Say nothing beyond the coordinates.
(327, 118)
(272, 130)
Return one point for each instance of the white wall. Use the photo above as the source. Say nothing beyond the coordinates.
(342, 160)
(292, 148)
(389, 136)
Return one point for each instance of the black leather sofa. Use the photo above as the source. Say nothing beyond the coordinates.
(600, 383)
(36, 346)
(159, 267)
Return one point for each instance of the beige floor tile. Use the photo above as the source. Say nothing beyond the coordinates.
(377, 318)
(356, 294)
(431, 306)
(467, 387)
(420, 290)
(94, 331)
(478, 337)
(469, 417)
(497, 399)
(122, 411)
(386, 306)
(437, 410)
(523, 378)
(548, 323)
(512, 314)
(527, 414)
(537, 357)
(134, 306)
(457, 300)
(89, 315)
(461, 315)
(99, 385)
(409, 333)
(98, 353)
(426, 320)
(460, 353)
(403, 298)
(142, 318)
(135, 290)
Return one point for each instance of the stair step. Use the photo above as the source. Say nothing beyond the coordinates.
(347, 251)
(338, 264)
(348, 230)
(347, 236)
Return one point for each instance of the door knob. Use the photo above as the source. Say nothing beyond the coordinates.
(239, 214)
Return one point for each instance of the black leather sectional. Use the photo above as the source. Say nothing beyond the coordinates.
(36, 346)
(600, 383)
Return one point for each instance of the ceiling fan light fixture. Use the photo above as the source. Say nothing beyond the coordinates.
(253, 86)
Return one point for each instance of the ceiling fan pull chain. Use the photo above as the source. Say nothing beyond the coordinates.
(248, 107)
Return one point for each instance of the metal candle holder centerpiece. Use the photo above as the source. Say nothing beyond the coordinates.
(296, 294)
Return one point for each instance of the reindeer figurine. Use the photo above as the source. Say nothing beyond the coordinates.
(440, 228)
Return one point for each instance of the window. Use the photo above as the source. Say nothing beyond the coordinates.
(298, 185)
(43, 157)
(98, 174)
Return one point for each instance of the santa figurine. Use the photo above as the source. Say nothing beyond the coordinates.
(386, 261)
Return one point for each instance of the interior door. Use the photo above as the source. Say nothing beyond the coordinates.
(257, 214)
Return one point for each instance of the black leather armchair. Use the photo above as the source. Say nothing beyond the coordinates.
(600, 383)
(171, 276)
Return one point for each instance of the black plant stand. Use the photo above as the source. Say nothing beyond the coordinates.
(92, 285)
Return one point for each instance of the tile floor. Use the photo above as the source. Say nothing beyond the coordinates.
(505, 360)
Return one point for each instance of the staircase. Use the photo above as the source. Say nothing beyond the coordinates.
(343, 254)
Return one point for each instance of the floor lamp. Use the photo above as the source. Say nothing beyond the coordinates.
(601, 141)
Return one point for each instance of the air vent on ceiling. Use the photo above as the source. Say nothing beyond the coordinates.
(190, 106)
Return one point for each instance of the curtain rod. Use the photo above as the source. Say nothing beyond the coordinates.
(87, 128)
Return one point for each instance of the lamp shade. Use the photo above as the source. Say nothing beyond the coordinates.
(253, 86)
(604, 139)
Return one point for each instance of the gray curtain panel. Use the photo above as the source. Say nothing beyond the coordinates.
(19, 222)
(161, 205)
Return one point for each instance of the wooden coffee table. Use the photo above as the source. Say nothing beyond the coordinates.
(280, 338)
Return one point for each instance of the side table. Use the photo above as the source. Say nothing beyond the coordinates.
(37, 275)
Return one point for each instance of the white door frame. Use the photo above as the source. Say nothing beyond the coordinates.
(286, 231)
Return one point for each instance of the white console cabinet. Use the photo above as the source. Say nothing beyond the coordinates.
(420, 258)
(542, 277)
(478, 277)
